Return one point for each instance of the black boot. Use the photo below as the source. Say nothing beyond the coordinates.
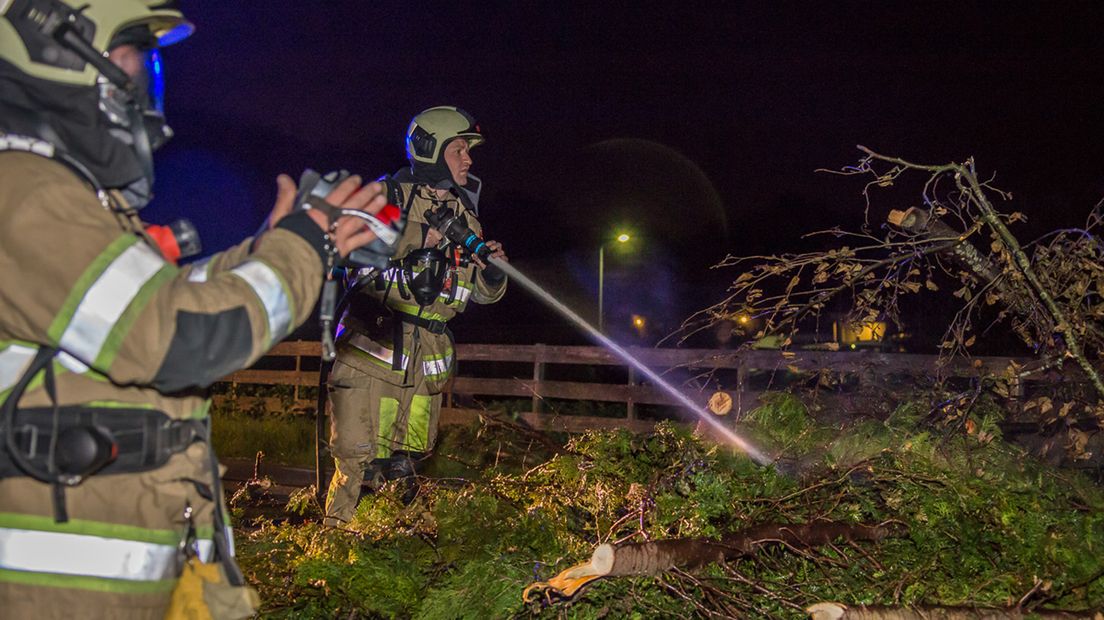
(402, 467)
(373, 477)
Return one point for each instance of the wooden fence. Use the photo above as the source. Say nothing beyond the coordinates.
(742, 375)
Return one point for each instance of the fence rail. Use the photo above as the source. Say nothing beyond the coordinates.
(740, 367)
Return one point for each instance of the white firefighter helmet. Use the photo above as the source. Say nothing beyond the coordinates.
(38, 36)
(433, 128)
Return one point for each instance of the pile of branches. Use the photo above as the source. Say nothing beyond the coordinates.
(884, 513)
(1049, 292)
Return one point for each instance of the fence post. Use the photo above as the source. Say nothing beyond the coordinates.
(630, 406)
(1016, 391)
(537, 405)
(741, 385)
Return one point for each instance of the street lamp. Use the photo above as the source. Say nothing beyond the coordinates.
(620, 238)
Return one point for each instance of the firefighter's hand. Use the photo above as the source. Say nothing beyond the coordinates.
(497, 253)
(348, 233)
(433, 237)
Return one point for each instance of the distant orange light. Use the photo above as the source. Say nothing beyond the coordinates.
(638, 321)
(743, 319)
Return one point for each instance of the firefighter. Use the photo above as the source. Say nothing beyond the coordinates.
(110, 505)
(395, 351)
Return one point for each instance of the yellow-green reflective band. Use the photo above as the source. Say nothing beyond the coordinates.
(86, 280)
(202, 411)
(388, 411)
(14, 520)
(80, 582)
(118, 404)
(59, 369)
(417, 426)
(106, 299)
(270, 289)
(36, 551)
(415, 311)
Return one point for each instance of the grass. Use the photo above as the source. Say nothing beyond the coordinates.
(284, 438)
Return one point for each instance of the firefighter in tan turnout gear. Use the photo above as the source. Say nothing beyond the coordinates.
(395, 352)
(109, 494)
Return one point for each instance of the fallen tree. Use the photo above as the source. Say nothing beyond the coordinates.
(1048, 292)
(653, 558)
(886, 514)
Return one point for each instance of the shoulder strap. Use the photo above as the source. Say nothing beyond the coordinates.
(395, 193)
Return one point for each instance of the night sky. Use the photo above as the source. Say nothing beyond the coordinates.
(697, 126)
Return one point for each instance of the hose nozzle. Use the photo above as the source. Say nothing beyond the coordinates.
(455, 228)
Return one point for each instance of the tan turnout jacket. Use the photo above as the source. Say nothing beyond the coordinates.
(134, 330)
(366, 340)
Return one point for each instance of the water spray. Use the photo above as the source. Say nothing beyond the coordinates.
(617, 349)
(454, 227)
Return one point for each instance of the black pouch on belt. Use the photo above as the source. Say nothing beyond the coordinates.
(127, 440)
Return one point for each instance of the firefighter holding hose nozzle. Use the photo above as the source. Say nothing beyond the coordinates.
(394, 349)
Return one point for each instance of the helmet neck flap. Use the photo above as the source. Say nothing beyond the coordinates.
(68, 117)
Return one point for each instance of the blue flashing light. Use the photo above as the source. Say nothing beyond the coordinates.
(155, 88)
(176, 34)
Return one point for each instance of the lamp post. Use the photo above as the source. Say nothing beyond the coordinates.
(621, 238)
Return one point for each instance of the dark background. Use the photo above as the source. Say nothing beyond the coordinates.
(698, 126)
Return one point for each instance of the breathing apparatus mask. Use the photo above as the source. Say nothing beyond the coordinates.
(423, 274)
(137, 114)
(136, 111)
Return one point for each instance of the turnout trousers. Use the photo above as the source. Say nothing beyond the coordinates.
(373, 419)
